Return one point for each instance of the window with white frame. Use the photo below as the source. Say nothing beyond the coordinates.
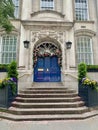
(8, 45)
(16, 3)
(47, 4)
(84, 50)
(81, 10)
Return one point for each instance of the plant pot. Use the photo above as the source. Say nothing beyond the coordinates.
(6, 96)
(89, 95)
(92, 70)
(3, 70)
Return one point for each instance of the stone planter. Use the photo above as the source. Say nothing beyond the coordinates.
(89, 95)
(92, 70)
(3, 70)
(6, 96)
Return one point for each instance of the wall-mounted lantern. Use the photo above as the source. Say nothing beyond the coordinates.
(68, 45)
(26, 44)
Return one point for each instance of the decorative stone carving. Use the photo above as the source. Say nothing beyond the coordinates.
(34, 36)
(37, 35)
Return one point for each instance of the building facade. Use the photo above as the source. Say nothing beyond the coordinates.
(48, 25)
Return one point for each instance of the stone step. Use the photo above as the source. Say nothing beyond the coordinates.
(47, 84)
(48, 105)
(47, 117)
(47, 88)
(50, 95)
(47, 99)
(50, 111)
(47, 91)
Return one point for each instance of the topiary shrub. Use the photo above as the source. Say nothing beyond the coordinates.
(12, 70)
(82, 71)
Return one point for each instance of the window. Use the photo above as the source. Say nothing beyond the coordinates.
(47, 4)
(84, 50)
(81, 10)
(16, 3)
(8, 49)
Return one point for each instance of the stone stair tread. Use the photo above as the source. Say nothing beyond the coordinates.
(10, 116)
(48, 84)
(47, 98)
(48, 88)
(59, 103)
(48, 109)
(48, 91)
(47, 94)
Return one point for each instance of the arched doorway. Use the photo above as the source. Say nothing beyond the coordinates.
(47, 63)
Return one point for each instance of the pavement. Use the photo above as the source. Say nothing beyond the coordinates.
(86, 124)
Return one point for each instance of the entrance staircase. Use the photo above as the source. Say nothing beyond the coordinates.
(47, 101)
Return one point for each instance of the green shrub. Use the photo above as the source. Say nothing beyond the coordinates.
(92, 67)
(82, 71)
(4, 67)
(12, 70)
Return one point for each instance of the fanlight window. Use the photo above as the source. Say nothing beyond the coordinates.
(47, 49)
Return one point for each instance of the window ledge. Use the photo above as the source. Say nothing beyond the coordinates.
(86, 21)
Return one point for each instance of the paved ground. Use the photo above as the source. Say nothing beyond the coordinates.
(88, 124)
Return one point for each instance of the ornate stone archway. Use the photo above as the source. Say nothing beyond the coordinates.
(47, 62)
(47, 49)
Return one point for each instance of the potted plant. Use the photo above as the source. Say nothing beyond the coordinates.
(12, 70)
(88, 89)
(8, 91)
(8, 86)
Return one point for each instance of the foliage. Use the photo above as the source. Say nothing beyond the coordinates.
(6, 12)
(12, 70)
(82, 71)
(82, 75)
(9, 82)
(95, 67)
(91, 83)
(3, 66)
(55, 52)
(12, 77)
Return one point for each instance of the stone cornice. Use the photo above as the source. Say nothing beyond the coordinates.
(61, 24)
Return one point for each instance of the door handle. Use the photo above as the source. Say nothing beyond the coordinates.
(47, 69)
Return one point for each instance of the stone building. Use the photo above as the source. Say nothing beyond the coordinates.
(49, 27)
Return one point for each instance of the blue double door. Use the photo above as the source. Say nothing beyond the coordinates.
(47, 70)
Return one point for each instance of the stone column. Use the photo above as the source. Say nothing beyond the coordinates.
(63, 53)
(67, 9)
(67, 51)
(64, 7)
